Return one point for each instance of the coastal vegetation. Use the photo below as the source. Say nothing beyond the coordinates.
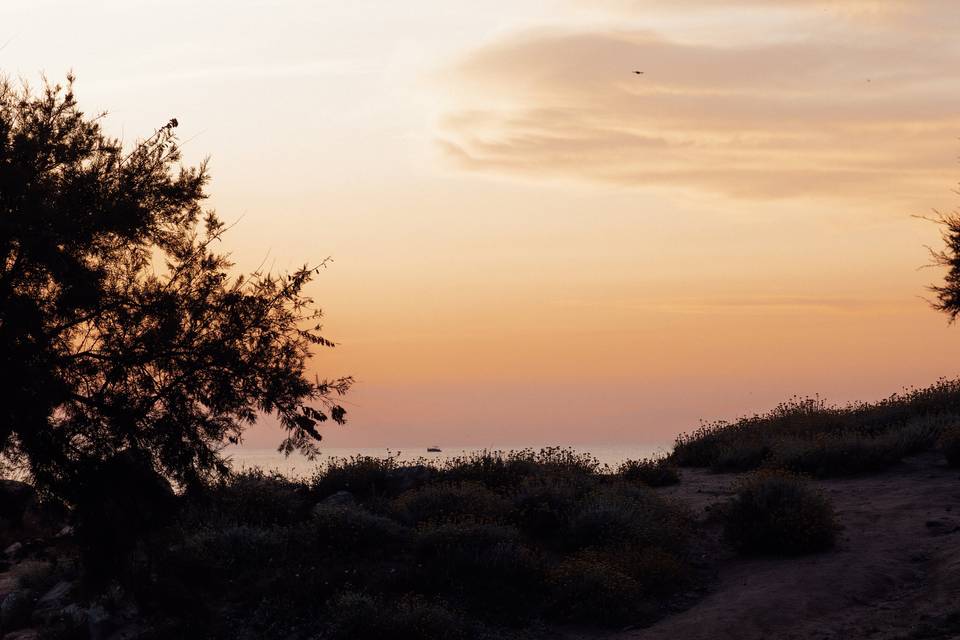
(486, 545)
(811, 436)
(778, 512)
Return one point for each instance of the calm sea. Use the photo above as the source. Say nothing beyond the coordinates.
(296, 465)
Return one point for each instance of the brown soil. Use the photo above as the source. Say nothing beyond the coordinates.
(895, 572)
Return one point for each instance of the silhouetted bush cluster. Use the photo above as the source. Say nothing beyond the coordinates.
(776, 512)
(498, 470)
(950, 445)
(363, 476)
(356, 616)
(492, 545)
(653, 472)
(810, 436)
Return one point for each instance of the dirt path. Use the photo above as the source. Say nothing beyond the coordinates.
(895, 572)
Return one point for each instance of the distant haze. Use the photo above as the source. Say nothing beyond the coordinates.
(532, 243)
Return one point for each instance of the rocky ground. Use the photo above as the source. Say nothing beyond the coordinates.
(36, 589)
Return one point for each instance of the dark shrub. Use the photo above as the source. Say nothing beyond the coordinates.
(25, 515)
(15, 499)
(355, 616)
(544, 505)
(776, 512)
(701, 447)
(653, 472)
(459, 539)
(739, 456)
(658, 571)
(450, 501)
(808, 435)
(920, 434)
(833, 456)
(117, 503)
(625, 515)
(363, 476)
(498, 470)
(409, 477)
(255, 498)
(460, 554)
(852, 453)
(264, 579)
(231, 551)
(950, 445)
(495, 574)
(350, 529)
(589, 590)
(655, 570)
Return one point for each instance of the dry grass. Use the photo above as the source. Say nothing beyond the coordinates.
(808, 435)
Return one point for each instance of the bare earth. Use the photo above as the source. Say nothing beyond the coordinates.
(894, 574)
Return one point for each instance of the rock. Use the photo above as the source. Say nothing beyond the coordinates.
(70, 619)
(23, 634)
(52, 604)
(100, 624)
(57, 595)
(65, 532)
(75, 614)
(8, 584)
(16, 608)
(14, 551)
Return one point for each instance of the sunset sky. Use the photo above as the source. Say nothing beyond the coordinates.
(532, 244)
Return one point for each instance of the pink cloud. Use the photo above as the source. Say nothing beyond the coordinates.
(820, 116)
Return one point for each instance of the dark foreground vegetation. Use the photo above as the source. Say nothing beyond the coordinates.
(493, 545)
(776, 512)
(486, 546)
(813, 437)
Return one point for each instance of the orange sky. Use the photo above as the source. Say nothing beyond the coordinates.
(532, 244)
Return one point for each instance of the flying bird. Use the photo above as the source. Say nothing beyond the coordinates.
(639, 73)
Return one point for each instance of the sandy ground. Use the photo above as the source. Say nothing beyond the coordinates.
(894, 574)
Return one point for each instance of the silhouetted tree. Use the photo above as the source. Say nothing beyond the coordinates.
(948, 294)
(120, 328)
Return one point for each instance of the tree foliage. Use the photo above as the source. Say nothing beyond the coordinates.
(121, 328)
(948, 294)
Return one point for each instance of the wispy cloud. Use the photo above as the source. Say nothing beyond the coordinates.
(825, 115)
(745, 305)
